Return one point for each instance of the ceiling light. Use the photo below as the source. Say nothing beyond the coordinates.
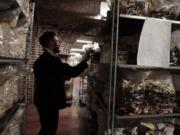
(98, 17)
(84, 41)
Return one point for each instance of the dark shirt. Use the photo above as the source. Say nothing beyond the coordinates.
(50, 75)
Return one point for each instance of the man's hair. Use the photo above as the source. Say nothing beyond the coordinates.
(46, 37)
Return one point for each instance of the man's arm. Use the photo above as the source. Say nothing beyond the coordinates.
(77, 70)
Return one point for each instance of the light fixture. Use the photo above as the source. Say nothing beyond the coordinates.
(84, 41)
(76, 50)
(98, 17)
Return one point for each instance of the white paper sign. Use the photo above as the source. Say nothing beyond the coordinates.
(154, 45)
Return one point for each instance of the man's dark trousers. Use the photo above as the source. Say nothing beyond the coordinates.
(49, 120)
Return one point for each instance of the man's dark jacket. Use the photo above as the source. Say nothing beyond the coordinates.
(50, 75)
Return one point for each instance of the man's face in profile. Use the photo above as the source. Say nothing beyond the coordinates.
(55, 44)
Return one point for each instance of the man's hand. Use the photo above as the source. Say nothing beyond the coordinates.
(88, 54)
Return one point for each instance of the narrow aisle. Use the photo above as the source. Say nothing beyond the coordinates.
(69, 121)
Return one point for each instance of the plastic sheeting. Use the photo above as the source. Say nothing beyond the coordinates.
(139, 87)
(15, 125)
(13, 11)
(166, 9)
(11, 86)
(24, 5)
(148, 128)
(9, 95)
(134, 7)
(12, 41)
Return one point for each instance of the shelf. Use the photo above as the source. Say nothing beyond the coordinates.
(131, 121)
(11, 60)
(109, 2)
(144, 18)
(154, 116)
(128, 66)
(9, 115)
(135, 67)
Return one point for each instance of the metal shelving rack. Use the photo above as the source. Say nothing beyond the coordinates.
(21, 103)
(113, 118)
(12, 60)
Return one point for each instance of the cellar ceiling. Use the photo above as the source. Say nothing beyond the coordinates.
(76, 17)
(69, 14)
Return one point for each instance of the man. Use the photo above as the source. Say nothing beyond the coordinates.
(50, 75)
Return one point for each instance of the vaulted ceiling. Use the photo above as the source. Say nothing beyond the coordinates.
(76, 17)
(69, 14)
(83, 7)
